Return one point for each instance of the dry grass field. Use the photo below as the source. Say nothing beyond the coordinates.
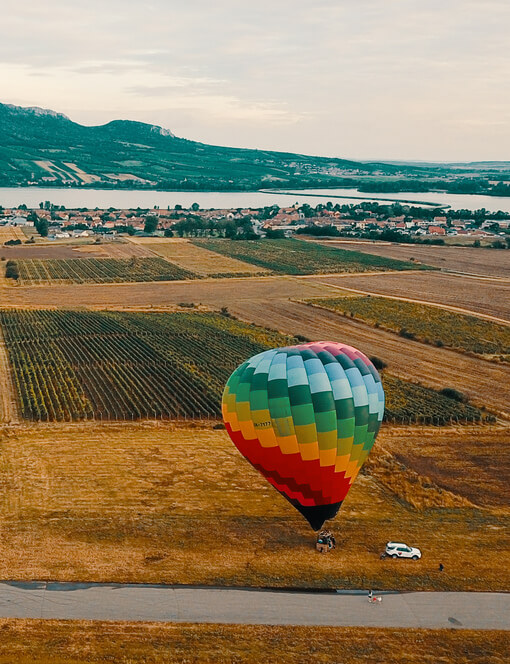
(473, 465)
(198, 259)
(77, 642)
(162, 503)
(479, 261)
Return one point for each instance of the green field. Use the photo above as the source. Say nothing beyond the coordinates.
(95, 270)
(299, 257)
(72, 365)
(428, 324)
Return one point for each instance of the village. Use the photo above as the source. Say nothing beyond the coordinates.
(365, 220)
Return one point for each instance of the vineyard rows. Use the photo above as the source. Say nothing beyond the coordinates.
(72, 365)
(300, 257)
(98, 270)
(415, 404)
(425, 323)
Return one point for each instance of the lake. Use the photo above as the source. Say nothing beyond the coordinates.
(123, 198)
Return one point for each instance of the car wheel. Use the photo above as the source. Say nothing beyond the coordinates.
(394, 555)
(415, 557)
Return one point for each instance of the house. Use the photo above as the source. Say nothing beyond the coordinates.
(436, 230)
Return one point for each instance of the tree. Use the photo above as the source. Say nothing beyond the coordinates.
(42, 227)
(195, 207)
(169, 232)
(151, 223)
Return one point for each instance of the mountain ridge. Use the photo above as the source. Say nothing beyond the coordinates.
(41, 146)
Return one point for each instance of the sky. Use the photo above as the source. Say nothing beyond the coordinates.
(360, 79)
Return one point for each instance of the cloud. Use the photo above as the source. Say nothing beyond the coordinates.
(345, 77)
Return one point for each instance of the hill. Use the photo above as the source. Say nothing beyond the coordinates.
(43, 147)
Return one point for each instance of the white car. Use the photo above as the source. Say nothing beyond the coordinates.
(400, 550)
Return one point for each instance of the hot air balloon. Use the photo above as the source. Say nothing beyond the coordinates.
(306, 417)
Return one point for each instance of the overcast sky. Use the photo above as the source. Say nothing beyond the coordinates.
(387, 79)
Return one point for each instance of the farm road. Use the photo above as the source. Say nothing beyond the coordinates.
(431, 610)
(486, 383)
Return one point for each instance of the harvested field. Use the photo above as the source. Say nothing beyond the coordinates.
(200, 260)
(470, 294)
(11, 233)
(475, 465)
(471, 260)
(298, 257)
(213, 293)
(112, 250)
(116, 503)
(486, 384)
(427, 324)
(77, 642)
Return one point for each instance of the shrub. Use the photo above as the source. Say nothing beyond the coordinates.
(11, 270)
(378, 363)
(451, 393)
(406, 334)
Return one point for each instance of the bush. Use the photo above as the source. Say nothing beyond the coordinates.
(302, 339)
(406, 334)
(451, 393)
(11, 270)
(378, 363)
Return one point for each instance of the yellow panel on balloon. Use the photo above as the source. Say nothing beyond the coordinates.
(327, 457)
(341, 463)
(288, 444)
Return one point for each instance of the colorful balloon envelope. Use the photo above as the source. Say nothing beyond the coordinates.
(306, 417)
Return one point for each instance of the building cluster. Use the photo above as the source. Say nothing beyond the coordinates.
(63, 223)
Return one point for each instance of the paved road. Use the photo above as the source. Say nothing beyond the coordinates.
(224, 605)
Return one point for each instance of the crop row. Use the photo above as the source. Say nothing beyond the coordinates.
(300, 257)
(425, 323)
(71, 365)
(98, 270)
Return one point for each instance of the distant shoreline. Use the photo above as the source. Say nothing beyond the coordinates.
(361, 198)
